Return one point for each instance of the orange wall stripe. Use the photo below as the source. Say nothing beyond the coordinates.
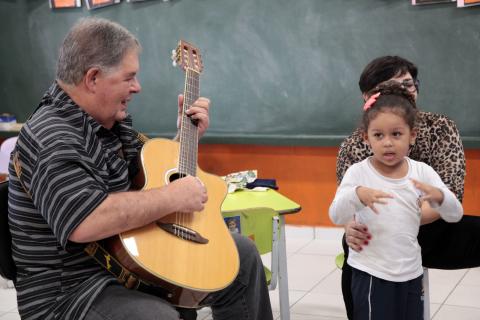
(307, 174)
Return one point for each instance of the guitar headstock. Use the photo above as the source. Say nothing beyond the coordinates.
(187, 56)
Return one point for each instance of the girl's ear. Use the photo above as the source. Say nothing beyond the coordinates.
(365, 137)
(413, 136)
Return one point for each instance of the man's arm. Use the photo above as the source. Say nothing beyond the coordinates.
(124, 211)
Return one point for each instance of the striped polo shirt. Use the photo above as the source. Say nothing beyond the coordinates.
(70, 163)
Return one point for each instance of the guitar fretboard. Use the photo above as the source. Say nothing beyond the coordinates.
(189, 129)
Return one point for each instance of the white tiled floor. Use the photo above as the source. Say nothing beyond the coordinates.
(314, 283)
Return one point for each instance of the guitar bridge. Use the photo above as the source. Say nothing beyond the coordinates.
(182, 232)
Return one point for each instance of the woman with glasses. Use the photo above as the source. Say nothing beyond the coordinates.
(438, 144)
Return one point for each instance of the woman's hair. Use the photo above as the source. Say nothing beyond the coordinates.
(393, 98)
(384, 68)
(93, 42)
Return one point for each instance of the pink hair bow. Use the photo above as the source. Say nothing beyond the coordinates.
(370, 101)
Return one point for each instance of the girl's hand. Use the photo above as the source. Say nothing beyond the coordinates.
(430, 193)
(370, 196)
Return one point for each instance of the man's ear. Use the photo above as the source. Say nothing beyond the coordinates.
(91, 78)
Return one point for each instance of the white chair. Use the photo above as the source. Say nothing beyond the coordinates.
(4, 159)
(6, 149)
(8, 145)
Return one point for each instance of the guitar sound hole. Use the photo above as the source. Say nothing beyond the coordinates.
(176, 175)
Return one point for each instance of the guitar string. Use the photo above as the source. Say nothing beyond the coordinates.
(184, 145)
(194, 128)
(188, 93)
(188, 137)
(194, 140)
(188, 98)
(182, 149)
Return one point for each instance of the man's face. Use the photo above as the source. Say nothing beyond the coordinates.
(114, 89)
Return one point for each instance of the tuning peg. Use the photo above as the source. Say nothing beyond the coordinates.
(174, 63)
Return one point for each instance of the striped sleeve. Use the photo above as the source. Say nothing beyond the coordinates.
(64, 187)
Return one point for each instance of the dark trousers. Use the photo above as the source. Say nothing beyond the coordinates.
(378, 299)
(444, 246)
(246, 298)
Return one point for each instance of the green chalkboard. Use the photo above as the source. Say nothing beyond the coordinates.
(277, 71)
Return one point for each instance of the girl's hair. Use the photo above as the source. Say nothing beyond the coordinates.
(393, 98)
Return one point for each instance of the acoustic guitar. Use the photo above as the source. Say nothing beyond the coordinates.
(187, 254)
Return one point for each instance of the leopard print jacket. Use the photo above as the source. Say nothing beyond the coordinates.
(438, 144)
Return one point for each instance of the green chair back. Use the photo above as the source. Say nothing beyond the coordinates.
(253, 223)
(256, 224)
(339, 260)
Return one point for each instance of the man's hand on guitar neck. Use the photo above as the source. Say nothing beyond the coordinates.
(198, 112)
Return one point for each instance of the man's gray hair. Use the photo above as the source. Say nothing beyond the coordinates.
(93, 42)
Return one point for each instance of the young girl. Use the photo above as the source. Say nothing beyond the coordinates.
(386, 192)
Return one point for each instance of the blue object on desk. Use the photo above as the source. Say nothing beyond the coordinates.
(269, 183)
(7, 117)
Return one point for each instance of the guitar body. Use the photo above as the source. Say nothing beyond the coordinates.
(186, 269)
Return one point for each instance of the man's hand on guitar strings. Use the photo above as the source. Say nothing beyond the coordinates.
(189, 194)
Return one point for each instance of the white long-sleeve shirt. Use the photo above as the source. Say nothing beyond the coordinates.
(393, 253)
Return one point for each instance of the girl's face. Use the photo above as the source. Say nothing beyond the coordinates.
(389, 137)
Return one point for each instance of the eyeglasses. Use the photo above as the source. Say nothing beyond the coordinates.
(411, 85)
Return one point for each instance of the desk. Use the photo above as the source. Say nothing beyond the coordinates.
(245, 199)
(9, 129)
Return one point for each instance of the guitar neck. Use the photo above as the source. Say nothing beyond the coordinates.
(189, 129)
